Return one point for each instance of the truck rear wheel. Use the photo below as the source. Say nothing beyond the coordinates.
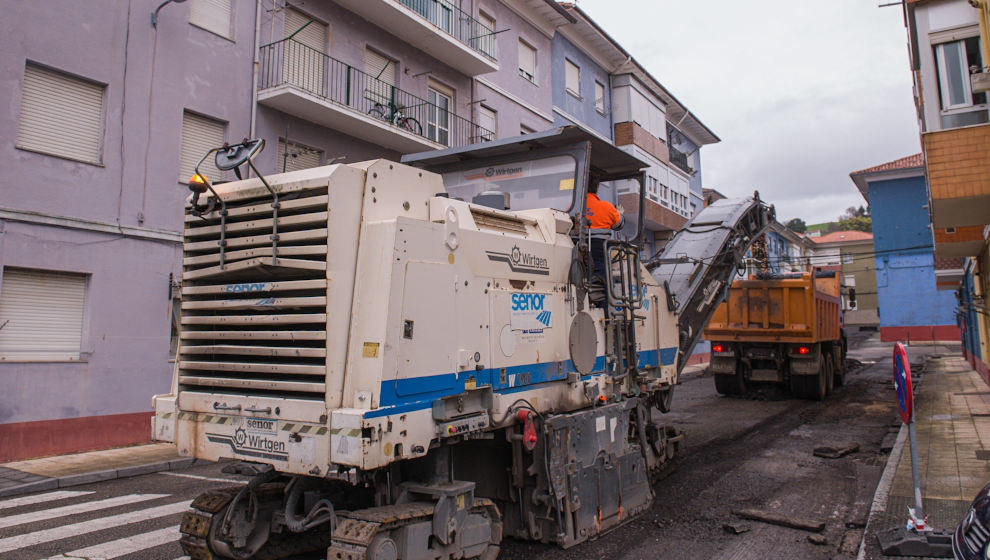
(829, 375)
(812, 387)
(733, 384)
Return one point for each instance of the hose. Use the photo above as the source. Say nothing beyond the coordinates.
(321, 512)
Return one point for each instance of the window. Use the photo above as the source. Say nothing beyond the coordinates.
(527, 61)
(953, 61)
(381, 71)
(486, 34)
(199, 136)
(848, 258)
(849, 281)
(572, 77)
(303, 55)
(293, 157)
(523, 129)
(488, 121)
(651, 188)
(600, 97)
(61, 115)
(438, 114)
(42, 315)
(211, 15)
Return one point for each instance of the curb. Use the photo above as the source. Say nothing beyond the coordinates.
(883, 487)
(98, 476)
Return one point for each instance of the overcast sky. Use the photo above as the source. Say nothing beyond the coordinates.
(801, 92)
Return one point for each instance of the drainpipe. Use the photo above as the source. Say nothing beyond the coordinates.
(255, 70)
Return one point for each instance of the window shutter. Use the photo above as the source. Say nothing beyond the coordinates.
(199, 135)
(211, 15)
(379, 67)
(300, 157)
(527, 61)
(42, 314)
(572, 77)
(488, 119)
(313, 35)
(60, 115)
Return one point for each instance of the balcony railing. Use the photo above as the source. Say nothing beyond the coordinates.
(289, 62)
(458, 24)
(679, 159)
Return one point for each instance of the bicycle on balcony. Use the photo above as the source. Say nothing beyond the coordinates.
(392, 113)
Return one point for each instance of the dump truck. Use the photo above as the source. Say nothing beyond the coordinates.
(417, 358)
(779, 328)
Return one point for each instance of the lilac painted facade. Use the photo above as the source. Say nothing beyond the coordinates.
(117, 222)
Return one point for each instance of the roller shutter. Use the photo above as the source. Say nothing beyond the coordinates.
(299, 157)
(211, 15)
(41, 314)
(61, 115)
(379, 67)
(199, 135)
(313, 35)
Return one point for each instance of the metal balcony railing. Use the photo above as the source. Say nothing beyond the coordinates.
(458, 24)
(289, 62)
(679, 159)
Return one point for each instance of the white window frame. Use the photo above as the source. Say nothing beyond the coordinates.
(488, 43)
(489, 114)
(600, 97)
(572, 78)
(435, 124)
(943, 83)
(527, 74)
(76, 354)
(847, 258)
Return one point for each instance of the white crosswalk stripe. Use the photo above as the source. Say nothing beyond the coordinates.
(124, 546)
(83, 527)
(42, 498)
(73, 509)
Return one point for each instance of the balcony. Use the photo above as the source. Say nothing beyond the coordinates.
(679, 160)
(958, 165)
(304, 82)
(436, 27)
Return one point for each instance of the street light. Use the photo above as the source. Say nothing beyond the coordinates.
(154, 15)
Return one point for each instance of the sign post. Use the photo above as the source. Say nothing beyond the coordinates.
(905, 403)
(916, 537)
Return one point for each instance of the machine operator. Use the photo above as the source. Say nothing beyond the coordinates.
(600, 213)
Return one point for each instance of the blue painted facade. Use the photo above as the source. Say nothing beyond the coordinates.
(905, 264)
(581, 109)
(968, 317)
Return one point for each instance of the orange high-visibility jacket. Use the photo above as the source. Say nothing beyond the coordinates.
(600, 213)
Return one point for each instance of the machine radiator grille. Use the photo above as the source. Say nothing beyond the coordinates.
(254, 315)
(498, 223)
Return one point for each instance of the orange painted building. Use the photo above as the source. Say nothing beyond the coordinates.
(950, 54)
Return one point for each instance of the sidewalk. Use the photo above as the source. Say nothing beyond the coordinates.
(952, 420)
(21, 477)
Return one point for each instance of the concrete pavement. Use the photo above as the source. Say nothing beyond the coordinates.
(952, 420)
(21, 477)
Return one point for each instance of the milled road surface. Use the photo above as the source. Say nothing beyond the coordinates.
(753, 452)
(756, 452)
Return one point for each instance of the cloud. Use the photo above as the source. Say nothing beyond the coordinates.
(801, 93)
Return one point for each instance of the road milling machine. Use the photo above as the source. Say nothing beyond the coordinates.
(422, 358)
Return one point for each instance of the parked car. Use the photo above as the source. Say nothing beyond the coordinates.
(969, 541)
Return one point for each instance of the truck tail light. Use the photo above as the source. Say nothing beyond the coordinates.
(718, 348)
(802, 350)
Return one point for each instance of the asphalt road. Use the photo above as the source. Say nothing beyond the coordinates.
(753, 452)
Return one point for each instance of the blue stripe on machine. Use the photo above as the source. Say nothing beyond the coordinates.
(416, 393)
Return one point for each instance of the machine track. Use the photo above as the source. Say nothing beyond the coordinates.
(208, 510)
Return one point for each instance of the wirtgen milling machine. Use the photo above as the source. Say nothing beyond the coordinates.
(421, 357)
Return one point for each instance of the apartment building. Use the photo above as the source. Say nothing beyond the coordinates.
(112, 106)
(910, 305)
(949, 49)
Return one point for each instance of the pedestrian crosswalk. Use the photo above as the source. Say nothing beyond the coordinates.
(75, 525)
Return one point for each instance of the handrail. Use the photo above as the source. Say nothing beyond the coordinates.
(290, 62)
(457, 23)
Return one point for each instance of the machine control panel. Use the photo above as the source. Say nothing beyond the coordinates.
(462, 426)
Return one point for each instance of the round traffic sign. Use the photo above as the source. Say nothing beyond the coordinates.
(902, 383)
